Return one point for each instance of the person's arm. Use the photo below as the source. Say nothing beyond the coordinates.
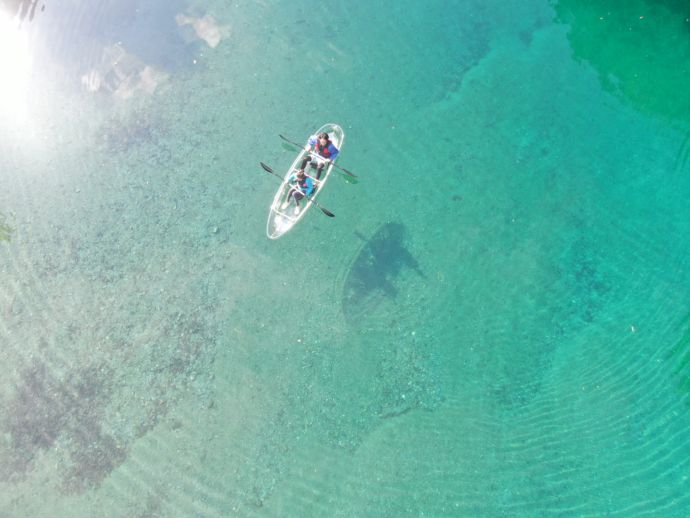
(311, 142)
(310, 187)
(334, 151)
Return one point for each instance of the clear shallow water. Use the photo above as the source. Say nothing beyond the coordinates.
(495, 323)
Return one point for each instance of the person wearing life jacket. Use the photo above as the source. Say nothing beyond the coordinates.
(324, 149)
(303, 186)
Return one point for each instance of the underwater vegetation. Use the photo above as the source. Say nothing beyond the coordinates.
(47, 409)
(85, 417)
(5, 229)
(640, 50)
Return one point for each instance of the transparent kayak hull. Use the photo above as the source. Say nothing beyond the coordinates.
(281, 221)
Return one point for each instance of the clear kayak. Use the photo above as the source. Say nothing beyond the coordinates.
(281, 221)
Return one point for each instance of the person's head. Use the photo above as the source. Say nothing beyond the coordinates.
(323, 137)
(301, 174)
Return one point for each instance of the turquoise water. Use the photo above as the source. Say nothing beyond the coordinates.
(496, 322)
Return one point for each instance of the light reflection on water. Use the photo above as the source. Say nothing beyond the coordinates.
(122, 48)
(57, 58)
(15, 67)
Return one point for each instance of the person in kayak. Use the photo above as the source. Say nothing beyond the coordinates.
(303, 186)
(324, 148)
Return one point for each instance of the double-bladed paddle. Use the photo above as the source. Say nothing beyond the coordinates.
(336, 165)
(312, 200)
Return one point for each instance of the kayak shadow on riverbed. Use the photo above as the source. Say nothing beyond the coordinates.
(375, 268)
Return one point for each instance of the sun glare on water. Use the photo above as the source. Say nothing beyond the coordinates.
(15, 65)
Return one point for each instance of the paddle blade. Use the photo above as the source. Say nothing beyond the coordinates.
(266, 168)
(290, 141)
(327, 212)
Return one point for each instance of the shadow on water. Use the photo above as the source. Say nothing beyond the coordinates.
(375, 268)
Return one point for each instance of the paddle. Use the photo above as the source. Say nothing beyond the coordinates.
(325, 211)
(336, 165)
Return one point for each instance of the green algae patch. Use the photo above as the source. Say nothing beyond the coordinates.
(640, 49)
(5, 229)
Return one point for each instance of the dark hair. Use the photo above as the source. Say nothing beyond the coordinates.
(323, 135)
